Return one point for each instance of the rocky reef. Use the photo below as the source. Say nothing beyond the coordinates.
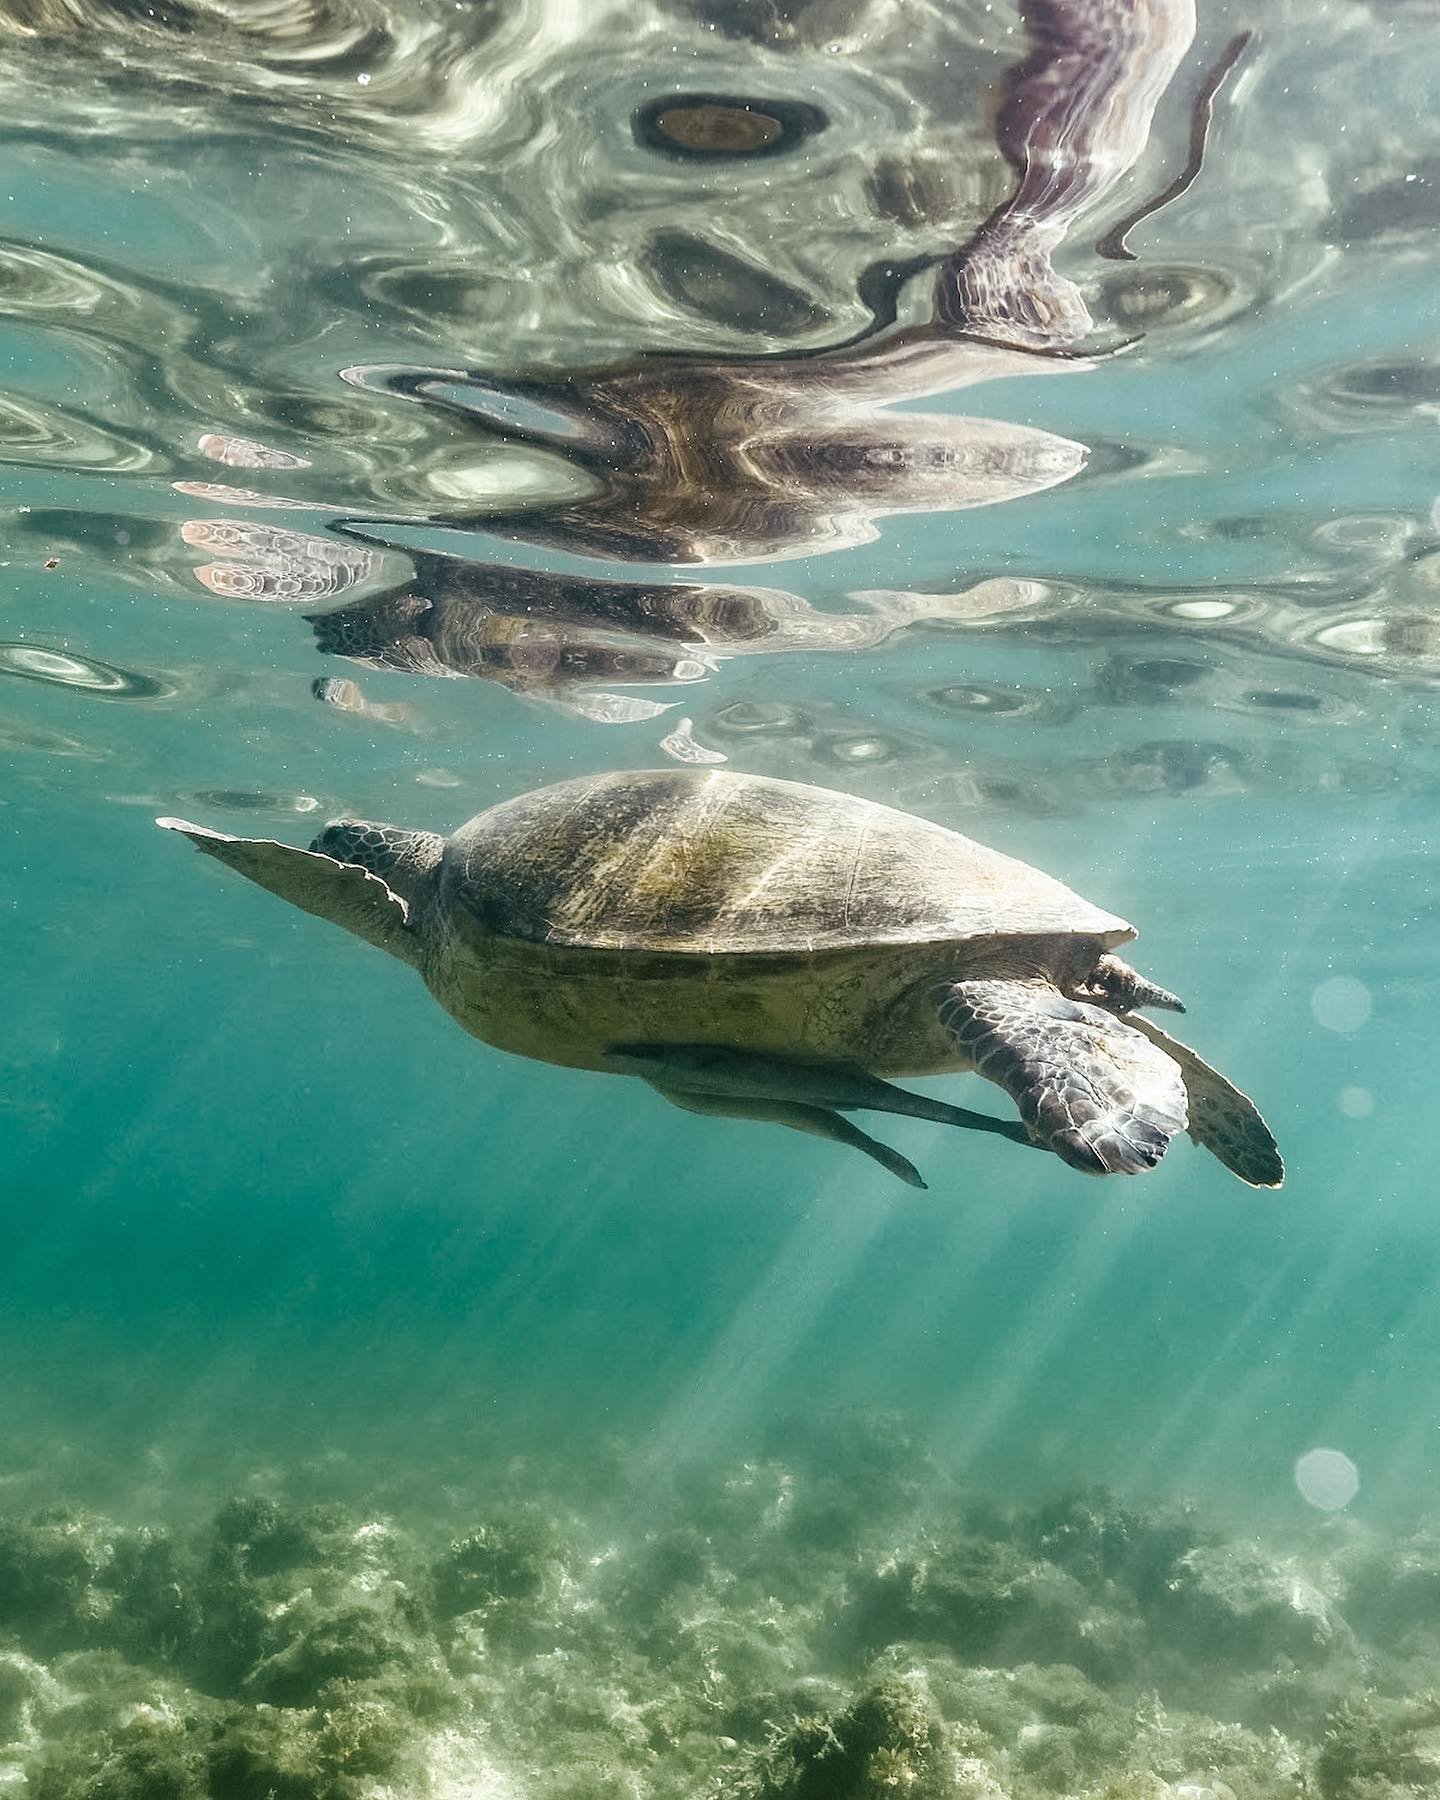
(832, 1619)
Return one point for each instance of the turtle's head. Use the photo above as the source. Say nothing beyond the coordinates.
(406, 861)
(1114, 984)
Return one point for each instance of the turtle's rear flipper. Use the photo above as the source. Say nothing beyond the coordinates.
(723, 1072)
(1104, 1098)
(817, 1121)
(1224, 1120)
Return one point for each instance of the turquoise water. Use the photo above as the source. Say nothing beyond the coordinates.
(387, 1416)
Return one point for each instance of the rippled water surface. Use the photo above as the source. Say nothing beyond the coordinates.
(1026, 419)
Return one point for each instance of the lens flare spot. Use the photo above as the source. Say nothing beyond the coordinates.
(1342, 1003)
(1327, 1479)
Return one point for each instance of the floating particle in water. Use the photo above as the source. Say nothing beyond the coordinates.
(245, 453)
(1342, 1003)
(1356, 1102)
(39, 662)
(1327, 1479)
(682, 746)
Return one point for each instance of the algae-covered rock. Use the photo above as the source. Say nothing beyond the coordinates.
(291, 1601)
(852, 1472)
(168, 1767)
(889, 1740)
(51, 1570)
(979, 1599)
(1233, 1602)
(27, 1692)
(1095, 1538)
(269, 1539)
(352, 1643)
(198, 1750)
(155, 1611)
(260, 1559)
(1394, 1587)
(278, 1753)
(502, 1561)
(1377, 1749)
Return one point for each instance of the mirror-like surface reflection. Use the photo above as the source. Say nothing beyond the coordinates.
(1017, 414)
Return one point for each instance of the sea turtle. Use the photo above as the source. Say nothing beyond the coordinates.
(770, 950)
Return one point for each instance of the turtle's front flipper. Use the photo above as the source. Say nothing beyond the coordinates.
(1224, 1120)
(815, 1120)
(726, 1073)
(1103, 1097)
(343, 892)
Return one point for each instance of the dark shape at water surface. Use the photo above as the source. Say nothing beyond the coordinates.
(716, 284)
(254, 800)
(67, 668)
(1171, 296)
(559, 637)
(1398, 205)
(768, 950)
(724, 127)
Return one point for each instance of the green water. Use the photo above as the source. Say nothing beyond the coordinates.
(386, 1417)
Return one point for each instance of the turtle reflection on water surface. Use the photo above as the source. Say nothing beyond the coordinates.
(770, 950)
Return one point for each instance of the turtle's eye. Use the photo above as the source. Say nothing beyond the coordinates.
(724, 127)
